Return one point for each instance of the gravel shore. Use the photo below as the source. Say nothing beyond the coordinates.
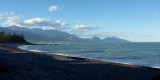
(18, 64)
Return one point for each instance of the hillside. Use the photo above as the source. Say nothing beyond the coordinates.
(53, 35)
(39, 34)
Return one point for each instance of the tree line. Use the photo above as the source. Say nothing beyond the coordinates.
(11, 37)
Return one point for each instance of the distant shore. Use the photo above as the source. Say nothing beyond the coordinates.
(19, 64)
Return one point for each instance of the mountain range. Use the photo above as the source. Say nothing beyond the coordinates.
(53, 35)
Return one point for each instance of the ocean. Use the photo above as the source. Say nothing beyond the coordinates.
(135, 53)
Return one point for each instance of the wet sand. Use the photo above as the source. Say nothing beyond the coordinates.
(16, 64)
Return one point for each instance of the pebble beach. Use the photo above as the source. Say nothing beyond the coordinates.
(16, 64)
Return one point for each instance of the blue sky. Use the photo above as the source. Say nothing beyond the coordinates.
(134, 20)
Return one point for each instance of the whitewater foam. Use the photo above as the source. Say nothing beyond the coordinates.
(35, 50)
(24, 47)
(156, 67)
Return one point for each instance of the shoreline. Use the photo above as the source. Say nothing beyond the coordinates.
(101, 61)
(15, 47)
(88, 62)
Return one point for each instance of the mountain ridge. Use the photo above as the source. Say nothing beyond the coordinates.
(54, 35)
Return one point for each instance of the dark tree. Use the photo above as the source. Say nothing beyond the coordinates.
(11, 38)
(2, 36)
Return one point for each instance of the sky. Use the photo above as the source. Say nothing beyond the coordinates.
(133, 20)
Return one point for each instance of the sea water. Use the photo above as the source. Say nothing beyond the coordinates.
(136, 53)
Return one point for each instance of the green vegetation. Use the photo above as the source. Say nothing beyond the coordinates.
(11, 38)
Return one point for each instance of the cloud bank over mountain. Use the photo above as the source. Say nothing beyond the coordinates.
(84, 28)
(53, 35)
(36, 22)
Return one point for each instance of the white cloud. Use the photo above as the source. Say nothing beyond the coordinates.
(58, 21)
(14, 21)
(12, 13)
(104, 34)
(84, 28)
(36, 22)
(59, 25)
(2, 17)
(119, 33)
(53, 8)
(44, 28)
(81, 21)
